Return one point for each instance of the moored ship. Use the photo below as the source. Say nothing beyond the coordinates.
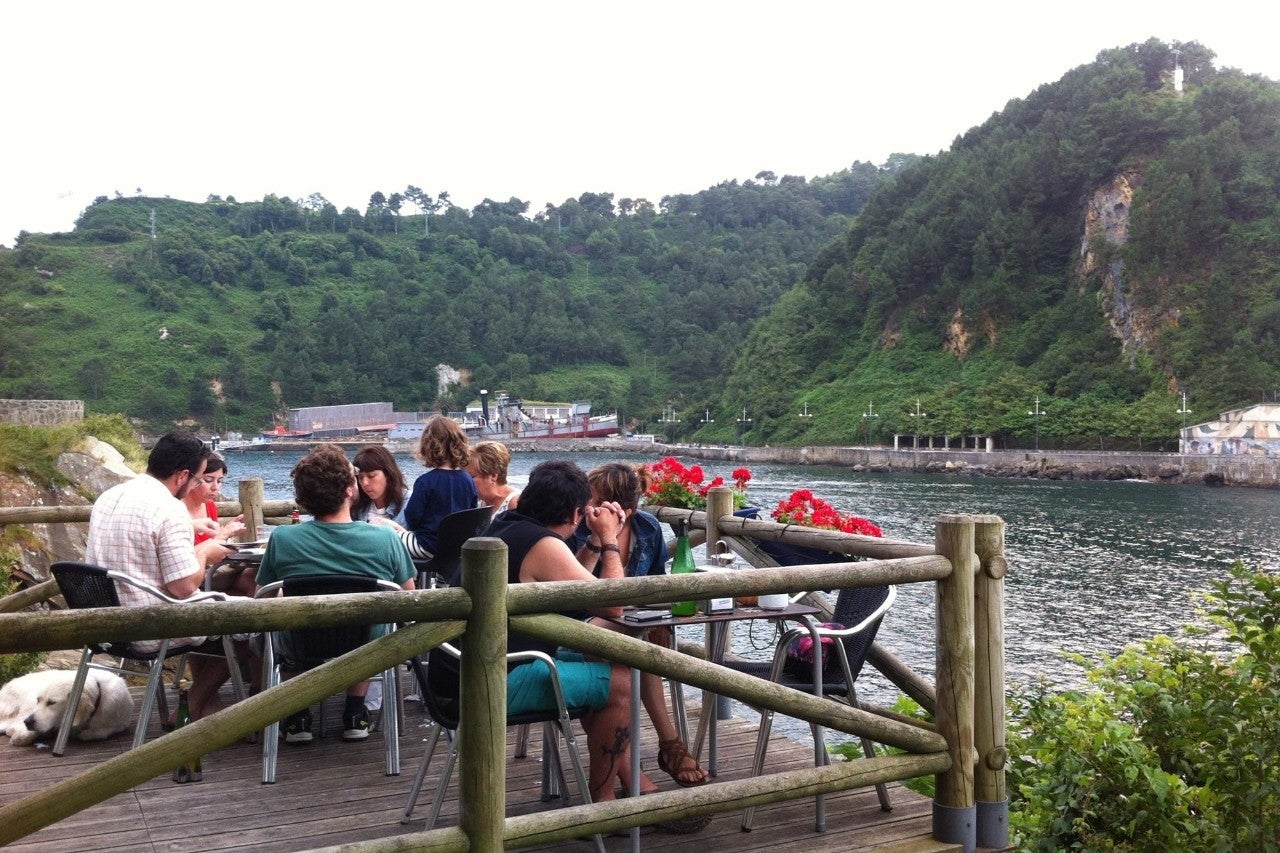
(512, 420)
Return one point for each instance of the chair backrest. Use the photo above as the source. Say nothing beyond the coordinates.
(455, 530)
(440, 688)
(855, 606)
(321, 644)
(84, 585)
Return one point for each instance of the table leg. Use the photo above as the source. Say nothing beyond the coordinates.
(717, 643)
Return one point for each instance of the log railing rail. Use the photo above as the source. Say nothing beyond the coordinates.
(963, 748)
(250, 502)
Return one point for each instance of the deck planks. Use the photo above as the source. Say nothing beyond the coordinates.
(332, 792)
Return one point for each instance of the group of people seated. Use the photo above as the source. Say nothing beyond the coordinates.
(163, 528)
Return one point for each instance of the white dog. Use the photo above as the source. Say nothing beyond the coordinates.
(31, 706)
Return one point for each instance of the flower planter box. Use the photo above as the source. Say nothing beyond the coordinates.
(786, 554)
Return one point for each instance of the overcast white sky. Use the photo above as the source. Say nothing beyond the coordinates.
(538, 100)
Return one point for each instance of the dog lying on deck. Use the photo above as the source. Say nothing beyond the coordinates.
(31, 706)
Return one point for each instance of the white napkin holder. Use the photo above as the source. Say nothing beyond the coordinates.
(715, 605)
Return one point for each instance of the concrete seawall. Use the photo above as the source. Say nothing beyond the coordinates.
(1256, 471)
(1259, 471)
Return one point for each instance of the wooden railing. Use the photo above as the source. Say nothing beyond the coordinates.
(251, 504)
(966, 563)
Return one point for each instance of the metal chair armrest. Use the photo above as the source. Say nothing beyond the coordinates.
(270, 589)
(850, 630)
(121, 577)
(531, 655)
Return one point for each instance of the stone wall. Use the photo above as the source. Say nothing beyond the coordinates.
(1048, 465)
(41, 412)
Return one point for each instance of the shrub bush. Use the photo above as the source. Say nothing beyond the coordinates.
(1174, 745)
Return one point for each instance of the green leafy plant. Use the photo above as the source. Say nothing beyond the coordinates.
(1173, 746)
(11, 666)
(852, 750)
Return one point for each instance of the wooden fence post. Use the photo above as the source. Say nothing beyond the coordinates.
(482, 727)
(989, 700)
(719, 502)
(954, 818)
(251, 505)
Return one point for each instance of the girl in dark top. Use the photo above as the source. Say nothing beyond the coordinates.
(445, 488)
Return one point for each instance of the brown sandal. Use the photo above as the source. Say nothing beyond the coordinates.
(674, 760)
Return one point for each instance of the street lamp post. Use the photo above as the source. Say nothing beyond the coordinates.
(669, 417)
(706, 417)
(1036, 414)
(1184, 411)
(916, 417)
(806, 416)
(743, 423)
(866, 418)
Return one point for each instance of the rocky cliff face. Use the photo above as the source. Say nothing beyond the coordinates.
(1106, 228)
(1106, 220)
(91, 469)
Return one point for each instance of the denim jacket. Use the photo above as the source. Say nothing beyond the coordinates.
(648, 546)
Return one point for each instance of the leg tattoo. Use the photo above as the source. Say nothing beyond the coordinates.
(612, 753)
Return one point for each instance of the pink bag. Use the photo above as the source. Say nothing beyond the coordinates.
(799, 662)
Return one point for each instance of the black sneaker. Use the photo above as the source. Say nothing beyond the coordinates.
(355, 725)
(297, 728)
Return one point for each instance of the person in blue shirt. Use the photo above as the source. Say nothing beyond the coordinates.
(445, 488)
(644, 552)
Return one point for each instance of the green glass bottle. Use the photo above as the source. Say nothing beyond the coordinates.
(681, 564)
(191, 769)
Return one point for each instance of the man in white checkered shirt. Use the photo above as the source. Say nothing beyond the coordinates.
(143, 529)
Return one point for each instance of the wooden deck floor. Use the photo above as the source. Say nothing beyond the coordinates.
(332, 792)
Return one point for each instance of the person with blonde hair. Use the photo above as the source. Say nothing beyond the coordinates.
(643, 552)
(488, 468)
(445, 488)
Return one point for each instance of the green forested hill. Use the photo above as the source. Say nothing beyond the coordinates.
(1102, 245)
(288, 303)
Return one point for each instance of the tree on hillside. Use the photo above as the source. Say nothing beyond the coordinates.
(394, 202)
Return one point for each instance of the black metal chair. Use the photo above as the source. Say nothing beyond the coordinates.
(455, 530)
(443, 709)
(313, 646)
(85, 586)
(860, 611)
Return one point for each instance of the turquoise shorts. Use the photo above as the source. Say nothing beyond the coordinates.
(585, 685)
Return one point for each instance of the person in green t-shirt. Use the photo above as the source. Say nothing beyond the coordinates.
(324, 485)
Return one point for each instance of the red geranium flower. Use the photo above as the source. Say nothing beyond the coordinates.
(803, 509)
(676, 485)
